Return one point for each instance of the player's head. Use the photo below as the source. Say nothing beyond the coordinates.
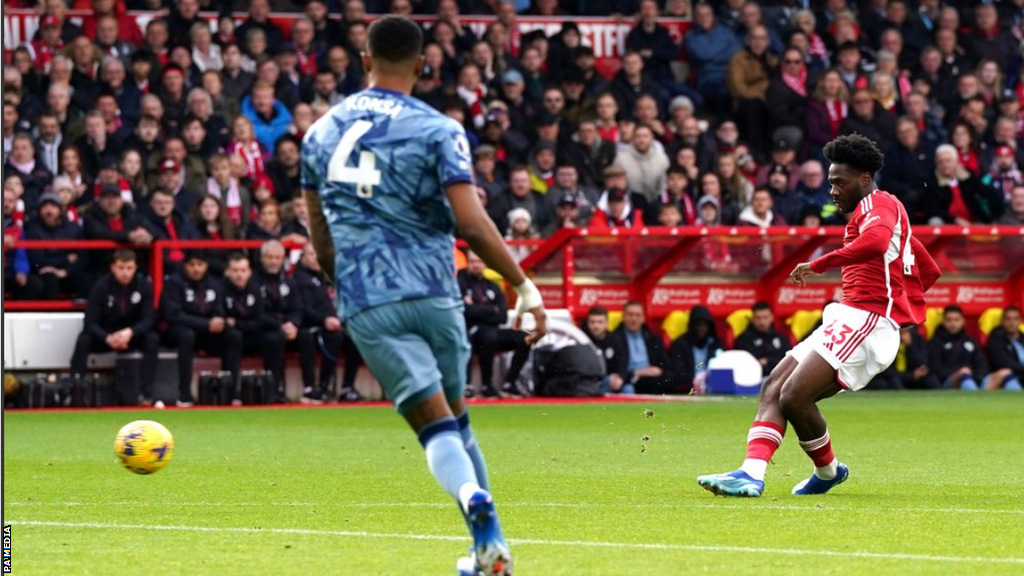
(855, 160)
(633, 316)
(394, 48)
(953, 319)
(762, 317)
(124, 266)
(597, 321)
(1011, 320)
(239, 271)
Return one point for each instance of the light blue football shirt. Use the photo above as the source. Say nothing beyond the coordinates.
(381, 161)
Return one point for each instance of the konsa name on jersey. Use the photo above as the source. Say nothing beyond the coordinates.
(387, 107)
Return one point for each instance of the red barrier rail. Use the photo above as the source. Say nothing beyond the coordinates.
(724, 268)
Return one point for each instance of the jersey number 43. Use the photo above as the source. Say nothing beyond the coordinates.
(364, 175)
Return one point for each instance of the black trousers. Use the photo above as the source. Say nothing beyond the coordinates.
(32, 290)
(309, 345)
(353, 360)
(148, 344)
(227, 345)
(53, 287)
(488, 340)
(268, 344)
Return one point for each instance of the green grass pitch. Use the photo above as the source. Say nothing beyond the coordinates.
(935, 488)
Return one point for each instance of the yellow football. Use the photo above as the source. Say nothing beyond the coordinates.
(144, 446)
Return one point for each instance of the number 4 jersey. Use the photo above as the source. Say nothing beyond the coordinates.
(381, 161)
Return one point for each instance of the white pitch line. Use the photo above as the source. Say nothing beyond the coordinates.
(538, 542)
(667, 505)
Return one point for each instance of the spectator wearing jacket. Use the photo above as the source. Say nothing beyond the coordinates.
(281, 299)
(868, 118)
(616, 209)
(759, 212)
(954, 356)
(567, 183)
(16, 263)
(956, 197)
(165, 222)
(911, 365)
(596, 328)
(909, 165)
(259, 19)
(321, 330)
(193, 317)
(710, 46)
(1014, 213)
(749, 76)
(690, 353)
(119, 316)
(519, 195)
(1006, 352)
(988, 40)
(787, 94)
(631, 82)
(245, 314)
(655, 45)
(640, 354)
(269, 116)
(762, 340)
(22, 161)
(594, 153)
(57, 269)
(110, 218)
(486, 311)
(645, 164)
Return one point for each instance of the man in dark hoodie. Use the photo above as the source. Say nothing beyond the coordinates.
(596, 328)
(119, 316)
(954, 356)
(281, 302)
(690, 353)
(1006, 352)
(762, 340)
(321, 329)
(56, 268)
(245, 314)
(193, 317)
(640, 355)
(486, 311)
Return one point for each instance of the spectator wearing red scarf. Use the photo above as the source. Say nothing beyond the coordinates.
(787, 95)
(988, 40)
(956, 197)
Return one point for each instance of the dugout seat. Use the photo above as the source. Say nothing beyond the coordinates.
(614, 319)
(802, 322)
(676, 324)
(738, 321)
(932, 319)
(989, 319)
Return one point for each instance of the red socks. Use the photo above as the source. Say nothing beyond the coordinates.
(763, 440)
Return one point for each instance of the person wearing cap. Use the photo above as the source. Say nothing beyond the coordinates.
(614, 210)
(566, 215)
(1005, 171)
(784, 150)
(58, 269)
(193, 316)
(119, 316)
(645, 164)
(58, 10)
(578, 103)
(47, 43)
(170, 179)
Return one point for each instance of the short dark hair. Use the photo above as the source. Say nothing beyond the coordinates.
(395, 39)
(761, 305)
(190, 118)
(124, 255)
(632, 303)
(764, 189)
(953, 308)
(856, 151)
(235, 256)
(597, 311)
(677, 169)
(1011, 308)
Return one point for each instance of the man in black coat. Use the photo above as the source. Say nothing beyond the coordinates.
(640, 358)
(281, 302)
(954, 356)
(193, 317)
(594, 154)
(486, 311)
(245, 314)
(690, 353)
(165, 222)
(119, 316)
(110, 218)
(909, 165)
(321, 330)
(762, 340)
(56, 268)
(596, 328)
(868, 118)
(1006, 352)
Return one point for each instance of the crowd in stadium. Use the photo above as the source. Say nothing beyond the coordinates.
(191, 128)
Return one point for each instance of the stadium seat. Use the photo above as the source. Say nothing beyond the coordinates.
(932, 319)
(738, 321)
(494, 277)
(676, 324)
(802, 322)
(614, 319)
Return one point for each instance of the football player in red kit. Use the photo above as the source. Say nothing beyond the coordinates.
(883, 291)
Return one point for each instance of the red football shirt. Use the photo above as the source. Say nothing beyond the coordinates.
(876, 240)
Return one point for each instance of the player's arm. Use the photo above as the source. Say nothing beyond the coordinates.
(477, 229)
(319, 233)
(873, 241)
(927, 270)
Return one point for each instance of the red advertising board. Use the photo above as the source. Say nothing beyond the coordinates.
(607, 36)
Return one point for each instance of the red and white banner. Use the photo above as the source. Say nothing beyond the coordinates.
(607, 36)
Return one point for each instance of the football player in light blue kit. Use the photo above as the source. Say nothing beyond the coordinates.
(388, 179)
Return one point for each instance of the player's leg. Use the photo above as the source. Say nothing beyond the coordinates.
(763, 439)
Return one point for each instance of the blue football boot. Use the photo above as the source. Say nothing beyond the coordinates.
(737, 483)
(815, 485)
